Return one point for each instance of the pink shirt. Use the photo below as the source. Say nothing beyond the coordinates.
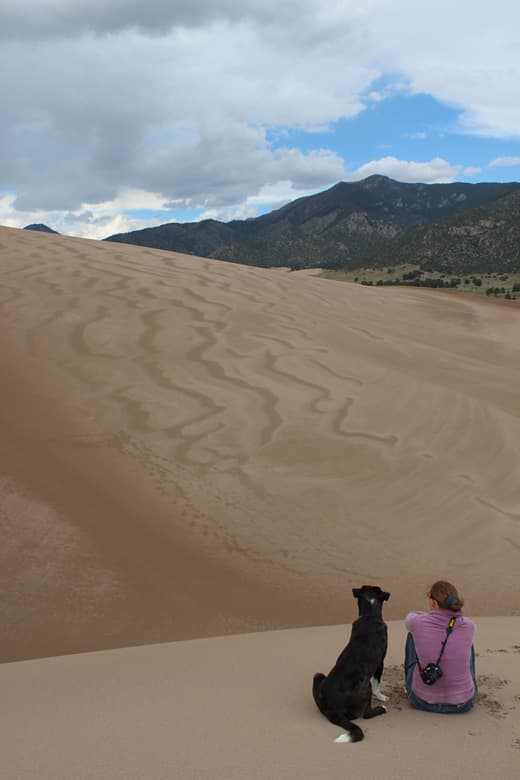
(429, 631)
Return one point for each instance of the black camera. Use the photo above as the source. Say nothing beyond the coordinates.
(431, 673)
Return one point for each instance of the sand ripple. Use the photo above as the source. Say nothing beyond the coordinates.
(238, 447)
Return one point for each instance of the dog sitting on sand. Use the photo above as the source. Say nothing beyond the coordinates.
(346, 692)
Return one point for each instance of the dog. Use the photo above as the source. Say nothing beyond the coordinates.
(346, 692)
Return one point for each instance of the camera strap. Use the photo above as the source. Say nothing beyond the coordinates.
(449, 629)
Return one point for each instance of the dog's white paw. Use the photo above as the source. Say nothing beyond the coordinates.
(343, 738)
(377, 691)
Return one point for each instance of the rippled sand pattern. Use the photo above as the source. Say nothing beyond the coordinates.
(233, 449)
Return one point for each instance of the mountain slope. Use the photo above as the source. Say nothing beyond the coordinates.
(345, 226)
(482, 239)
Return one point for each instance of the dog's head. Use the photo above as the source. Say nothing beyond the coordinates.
(370, 599)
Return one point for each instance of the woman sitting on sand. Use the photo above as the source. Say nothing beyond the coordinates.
(455, 688)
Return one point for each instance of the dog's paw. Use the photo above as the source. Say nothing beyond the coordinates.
(343, 738)
(376, 691)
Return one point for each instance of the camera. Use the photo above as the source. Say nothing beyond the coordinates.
(431, 673)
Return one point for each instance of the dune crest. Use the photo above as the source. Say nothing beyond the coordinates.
(241, 707)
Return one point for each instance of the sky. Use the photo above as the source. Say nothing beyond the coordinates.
(121, 114)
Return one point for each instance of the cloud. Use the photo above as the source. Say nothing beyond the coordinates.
(183, 116)
(307, 23)
(269, 197)
(178, 99)
(464, 54)
(471, 171)
(435, 171)
(40, 19)
(94, 221)
(504, 162)
(211, 173)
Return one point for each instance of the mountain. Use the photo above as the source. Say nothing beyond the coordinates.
(349, 225)
(41, 228)
(485, 238)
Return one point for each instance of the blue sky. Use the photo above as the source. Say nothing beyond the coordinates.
(412, 127)
(123, 115)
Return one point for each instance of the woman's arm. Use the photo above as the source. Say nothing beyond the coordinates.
(410, 619)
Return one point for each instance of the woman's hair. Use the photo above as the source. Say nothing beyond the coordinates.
(446, 596)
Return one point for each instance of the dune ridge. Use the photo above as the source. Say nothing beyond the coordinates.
(192, 448)
(239, 707)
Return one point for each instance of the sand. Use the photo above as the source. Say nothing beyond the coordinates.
(239, 708)
(190, 448)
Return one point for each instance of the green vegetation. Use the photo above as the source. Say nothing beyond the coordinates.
(493, 285)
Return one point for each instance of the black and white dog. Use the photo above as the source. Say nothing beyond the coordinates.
(346, 692)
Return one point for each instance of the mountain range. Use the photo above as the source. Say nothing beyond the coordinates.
(455, 227)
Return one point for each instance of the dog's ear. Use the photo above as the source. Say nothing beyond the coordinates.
(356, 592)
(385, 596)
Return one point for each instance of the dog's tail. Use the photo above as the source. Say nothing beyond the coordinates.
(317, 682)
(352, 731)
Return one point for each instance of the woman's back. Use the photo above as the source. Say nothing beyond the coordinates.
(429, 632)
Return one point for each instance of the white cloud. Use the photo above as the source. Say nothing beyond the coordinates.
(89, 220)
(504, 162)
(277, 195)
(183, 116)
(471, 171)
(178, 99)
(243, 211)
(435, 171)
(465, 54)
(269, 197)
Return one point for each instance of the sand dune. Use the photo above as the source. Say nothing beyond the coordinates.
(192, 448)
(240, 707)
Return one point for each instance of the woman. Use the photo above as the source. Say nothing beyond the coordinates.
(456, 689)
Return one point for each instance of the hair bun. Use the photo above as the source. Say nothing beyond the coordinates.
(451, 601)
